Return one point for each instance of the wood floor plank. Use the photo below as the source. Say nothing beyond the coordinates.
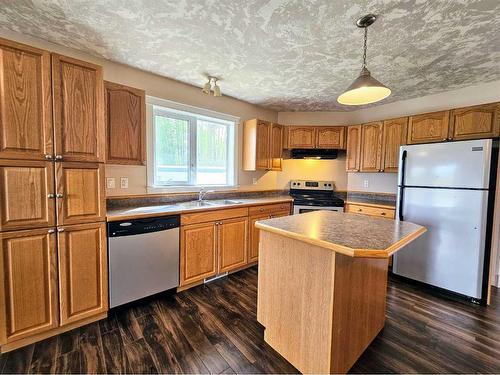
(45, 354)
(115, 356)
(18, 361)
(92, 353)
(69, 363)
(139, 359)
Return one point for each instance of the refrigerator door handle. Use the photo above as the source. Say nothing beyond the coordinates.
(402, 183)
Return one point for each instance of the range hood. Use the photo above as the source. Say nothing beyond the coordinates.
(314, 153)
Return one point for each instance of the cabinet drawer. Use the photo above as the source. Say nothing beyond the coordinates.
(371, 210)
(269, 208)
(205, 216)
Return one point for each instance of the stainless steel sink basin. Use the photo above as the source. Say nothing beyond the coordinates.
(225, 201)
(197, 204)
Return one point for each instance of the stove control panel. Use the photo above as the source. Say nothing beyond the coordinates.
(312, 185)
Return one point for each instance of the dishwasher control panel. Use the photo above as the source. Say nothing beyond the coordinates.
(141, 226)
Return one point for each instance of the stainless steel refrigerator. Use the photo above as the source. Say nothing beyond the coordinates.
(449, 188)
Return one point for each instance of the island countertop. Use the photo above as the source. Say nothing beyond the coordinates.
(349, 234)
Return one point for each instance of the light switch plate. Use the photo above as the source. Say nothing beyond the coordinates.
(365, 183)
(110, 182)
(124, 182)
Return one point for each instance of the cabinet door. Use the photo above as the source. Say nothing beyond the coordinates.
(253, 238)
(26, 194)
(28, 283)
(198, 252)
(480, 121)
(394, 136)
(83, 269)
(232, 238)
(353, 148)
(80, 193)
(262, 144)
(428, 128)
(276, 147)
(125, 114)
(330, 137)
(78, 109)
(25, 102)
(371, 147)
(301, 136)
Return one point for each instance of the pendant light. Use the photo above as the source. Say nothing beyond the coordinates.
(365, 89)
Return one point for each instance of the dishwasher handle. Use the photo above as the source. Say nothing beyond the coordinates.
(142, 226)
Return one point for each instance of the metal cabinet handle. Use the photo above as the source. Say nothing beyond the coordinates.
(49, 157)
(59, 230)
(50, 231)
(58, 157)
(51, 196)
(382, 213)
(59, 195)
(359, 210)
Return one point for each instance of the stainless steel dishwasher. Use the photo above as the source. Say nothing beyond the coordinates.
(143, 258)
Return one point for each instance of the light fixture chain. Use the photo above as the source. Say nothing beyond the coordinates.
(364, 47)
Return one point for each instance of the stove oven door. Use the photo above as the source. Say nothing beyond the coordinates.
(298, 209)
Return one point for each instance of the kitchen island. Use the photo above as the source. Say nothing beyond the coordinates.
(323, 284)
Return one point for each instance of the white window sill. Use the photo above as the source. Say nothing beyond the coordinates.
(189, 189)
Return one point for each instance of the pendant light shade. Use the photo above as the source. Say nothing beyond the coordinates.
(365, 89)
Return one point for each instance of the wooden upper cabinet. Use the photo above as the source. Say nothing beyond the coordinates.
(330, 137)
(26, 194)
(353, 148)
(371, 147)
(428, 128)
(125, 114)
(28, 286)
(275, 147)
(256, 145)
(232, 238)
(83, 270)
(78, 110)
(301, 137)
(25, 102)
(480, 121)
(394, 136)
(198, 255)
(80, 193)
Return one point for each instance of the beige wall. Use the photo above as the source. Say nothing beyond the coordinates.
(164, 88)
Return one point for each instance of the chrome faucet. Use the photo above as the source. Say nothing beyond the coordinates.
(203, 192)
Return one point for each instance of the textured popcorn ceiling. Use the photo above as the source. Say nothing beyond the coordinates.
(287, 55)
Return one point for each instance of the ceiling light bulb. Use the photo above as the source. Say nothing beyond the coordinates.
(217, 89)
(207, 87)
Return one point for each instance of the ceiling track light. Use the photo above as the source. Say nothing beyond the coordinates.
(211, 87)
(365, 89)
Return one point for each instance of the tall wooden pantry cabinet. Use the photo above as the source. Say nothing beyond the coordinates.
(53, 258)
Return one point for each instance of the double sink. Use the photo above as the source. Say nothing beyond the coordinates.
(208, 203)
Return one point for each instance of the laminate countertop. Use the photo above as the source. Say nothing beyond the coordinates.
(129, 213)
(348, 234)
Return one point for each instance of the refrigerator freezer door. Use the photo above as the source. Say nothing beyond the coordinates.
(450, 254)
(453, 164)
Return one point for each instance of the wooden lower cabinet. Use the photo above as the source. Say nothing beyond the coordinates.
(371, 210)
(28, 284)
(198, 256)
(253, 232)
(232, 239)
(83, 270)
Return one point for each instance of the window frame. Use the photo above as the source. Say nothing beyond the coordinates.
(191, 114)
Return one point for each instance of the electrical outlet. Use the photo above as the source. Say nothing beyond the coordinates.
(254, 180)
(365, 183)
(110, 182)
(124, 182)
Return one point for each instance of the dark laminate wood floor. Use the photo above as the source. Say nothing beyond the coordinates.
(213, 329)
